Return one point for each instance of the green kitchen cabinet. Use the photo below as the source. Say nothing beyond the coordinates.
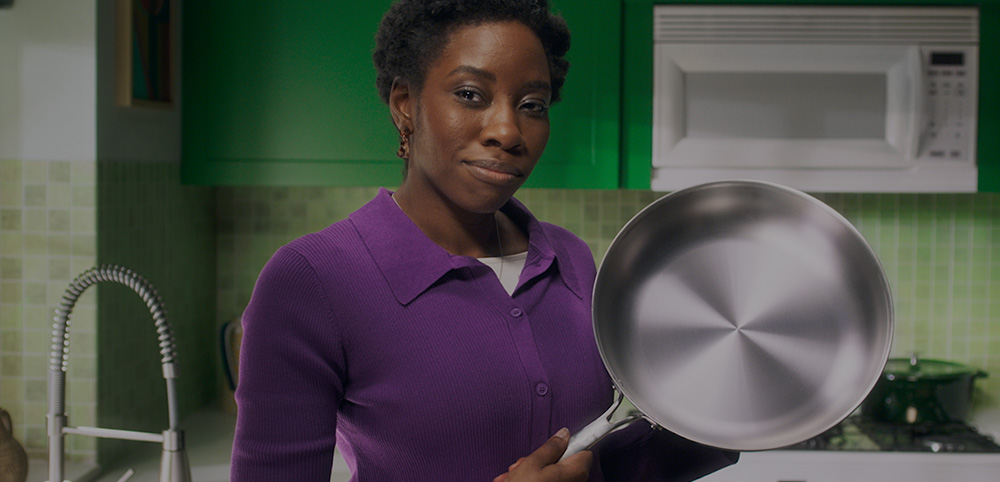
(637, 83)
(989, 97)
(284, 94)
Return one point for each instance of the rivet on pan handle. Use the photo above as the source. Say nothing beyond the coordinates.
(598, 429)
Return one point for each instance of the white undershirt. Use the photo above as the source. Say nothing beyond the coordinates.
(512, 266)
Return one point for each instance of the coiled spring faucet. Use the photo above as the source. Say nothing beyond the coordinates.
(174, 466)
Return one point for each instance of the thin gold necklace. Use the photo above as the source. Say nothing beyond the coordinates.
(496, 225)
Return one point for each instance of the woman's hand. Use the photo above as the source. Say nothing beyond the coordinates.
(542, 466)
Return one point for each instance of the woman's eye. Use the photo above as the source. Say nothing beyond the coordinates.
(468, 95)
(535, 107)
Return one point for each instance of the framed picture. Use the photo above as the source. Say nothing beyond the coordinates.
(145, 56)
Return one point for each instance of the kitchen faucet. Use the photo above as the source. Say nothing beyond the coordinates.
(174, 466)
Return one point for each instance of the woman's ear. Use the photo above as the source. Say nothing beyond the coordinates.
(401, 100)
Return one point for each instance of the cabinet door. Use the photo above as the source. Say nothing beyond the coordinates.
(584, 144)
(988, 152)
(284, 94)
(637, 97)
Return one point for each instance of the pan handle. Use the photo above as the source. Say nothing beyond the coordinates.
(602, 426)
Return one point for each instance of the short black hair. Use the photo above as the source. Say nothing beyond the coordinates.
(414, 32)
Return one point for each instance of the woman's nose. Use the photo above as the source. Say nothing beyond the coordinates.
(502, 129)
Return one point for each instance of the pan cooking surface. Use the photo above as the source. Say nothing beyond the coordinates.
(742, 315)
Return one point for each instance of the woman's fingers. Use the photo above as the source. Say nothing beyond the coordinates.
(575, 468)
(543, 464)
(549, 452)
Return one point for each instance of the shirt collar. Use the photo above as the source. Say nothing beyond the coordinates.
(410, 262)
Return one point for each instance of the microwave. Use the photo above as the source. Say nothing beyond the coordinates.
(820, 98)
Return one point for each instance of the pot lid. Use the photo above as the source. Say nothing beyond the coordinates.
(914, 369)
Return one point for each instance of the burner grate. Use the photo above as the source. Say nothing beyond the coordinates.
(927, 437)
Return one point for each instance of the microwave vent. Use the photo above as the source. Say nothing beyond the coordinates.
(815, 24)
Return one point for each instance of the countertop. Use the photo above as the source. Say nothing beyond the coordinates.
(209, 436)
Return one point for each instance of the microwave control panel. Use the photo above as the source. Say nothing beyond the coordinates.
(950, 93)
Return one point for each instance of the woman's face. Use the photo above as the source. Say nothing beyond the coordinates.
(480, 122)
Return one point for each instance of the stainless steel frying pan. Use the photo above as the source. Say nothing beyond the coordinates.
(741, 315)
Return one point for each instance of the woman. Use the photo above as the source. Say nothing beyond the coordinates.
(441, 332)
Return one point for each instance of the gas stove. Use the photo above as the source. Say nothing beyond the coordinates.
(860, 450)
(860, 434)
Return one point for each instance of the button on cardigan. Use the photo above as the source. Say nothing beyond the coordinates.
(418, 365)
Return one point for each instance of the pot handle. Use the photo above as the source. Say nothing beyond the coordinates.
(588, 436)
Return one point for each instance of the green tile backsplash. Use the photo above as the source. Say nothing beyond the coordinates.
(150, 223)
(47, 235)
(941, 253)
(58, 219)
(203, 248)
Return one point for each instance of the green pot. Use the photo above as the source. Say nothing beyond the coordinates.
(913, 390)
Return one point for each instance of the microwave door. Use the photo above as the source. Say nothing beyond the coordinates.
(786, 106)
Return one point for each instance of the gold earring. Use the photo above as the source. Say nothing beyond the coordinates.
(404, 144)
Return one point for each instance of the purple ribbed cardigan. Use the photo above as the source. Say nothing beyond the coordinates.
(419, 366)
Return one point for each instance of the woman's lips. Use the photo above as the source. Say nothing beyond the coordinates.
(494, 171)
